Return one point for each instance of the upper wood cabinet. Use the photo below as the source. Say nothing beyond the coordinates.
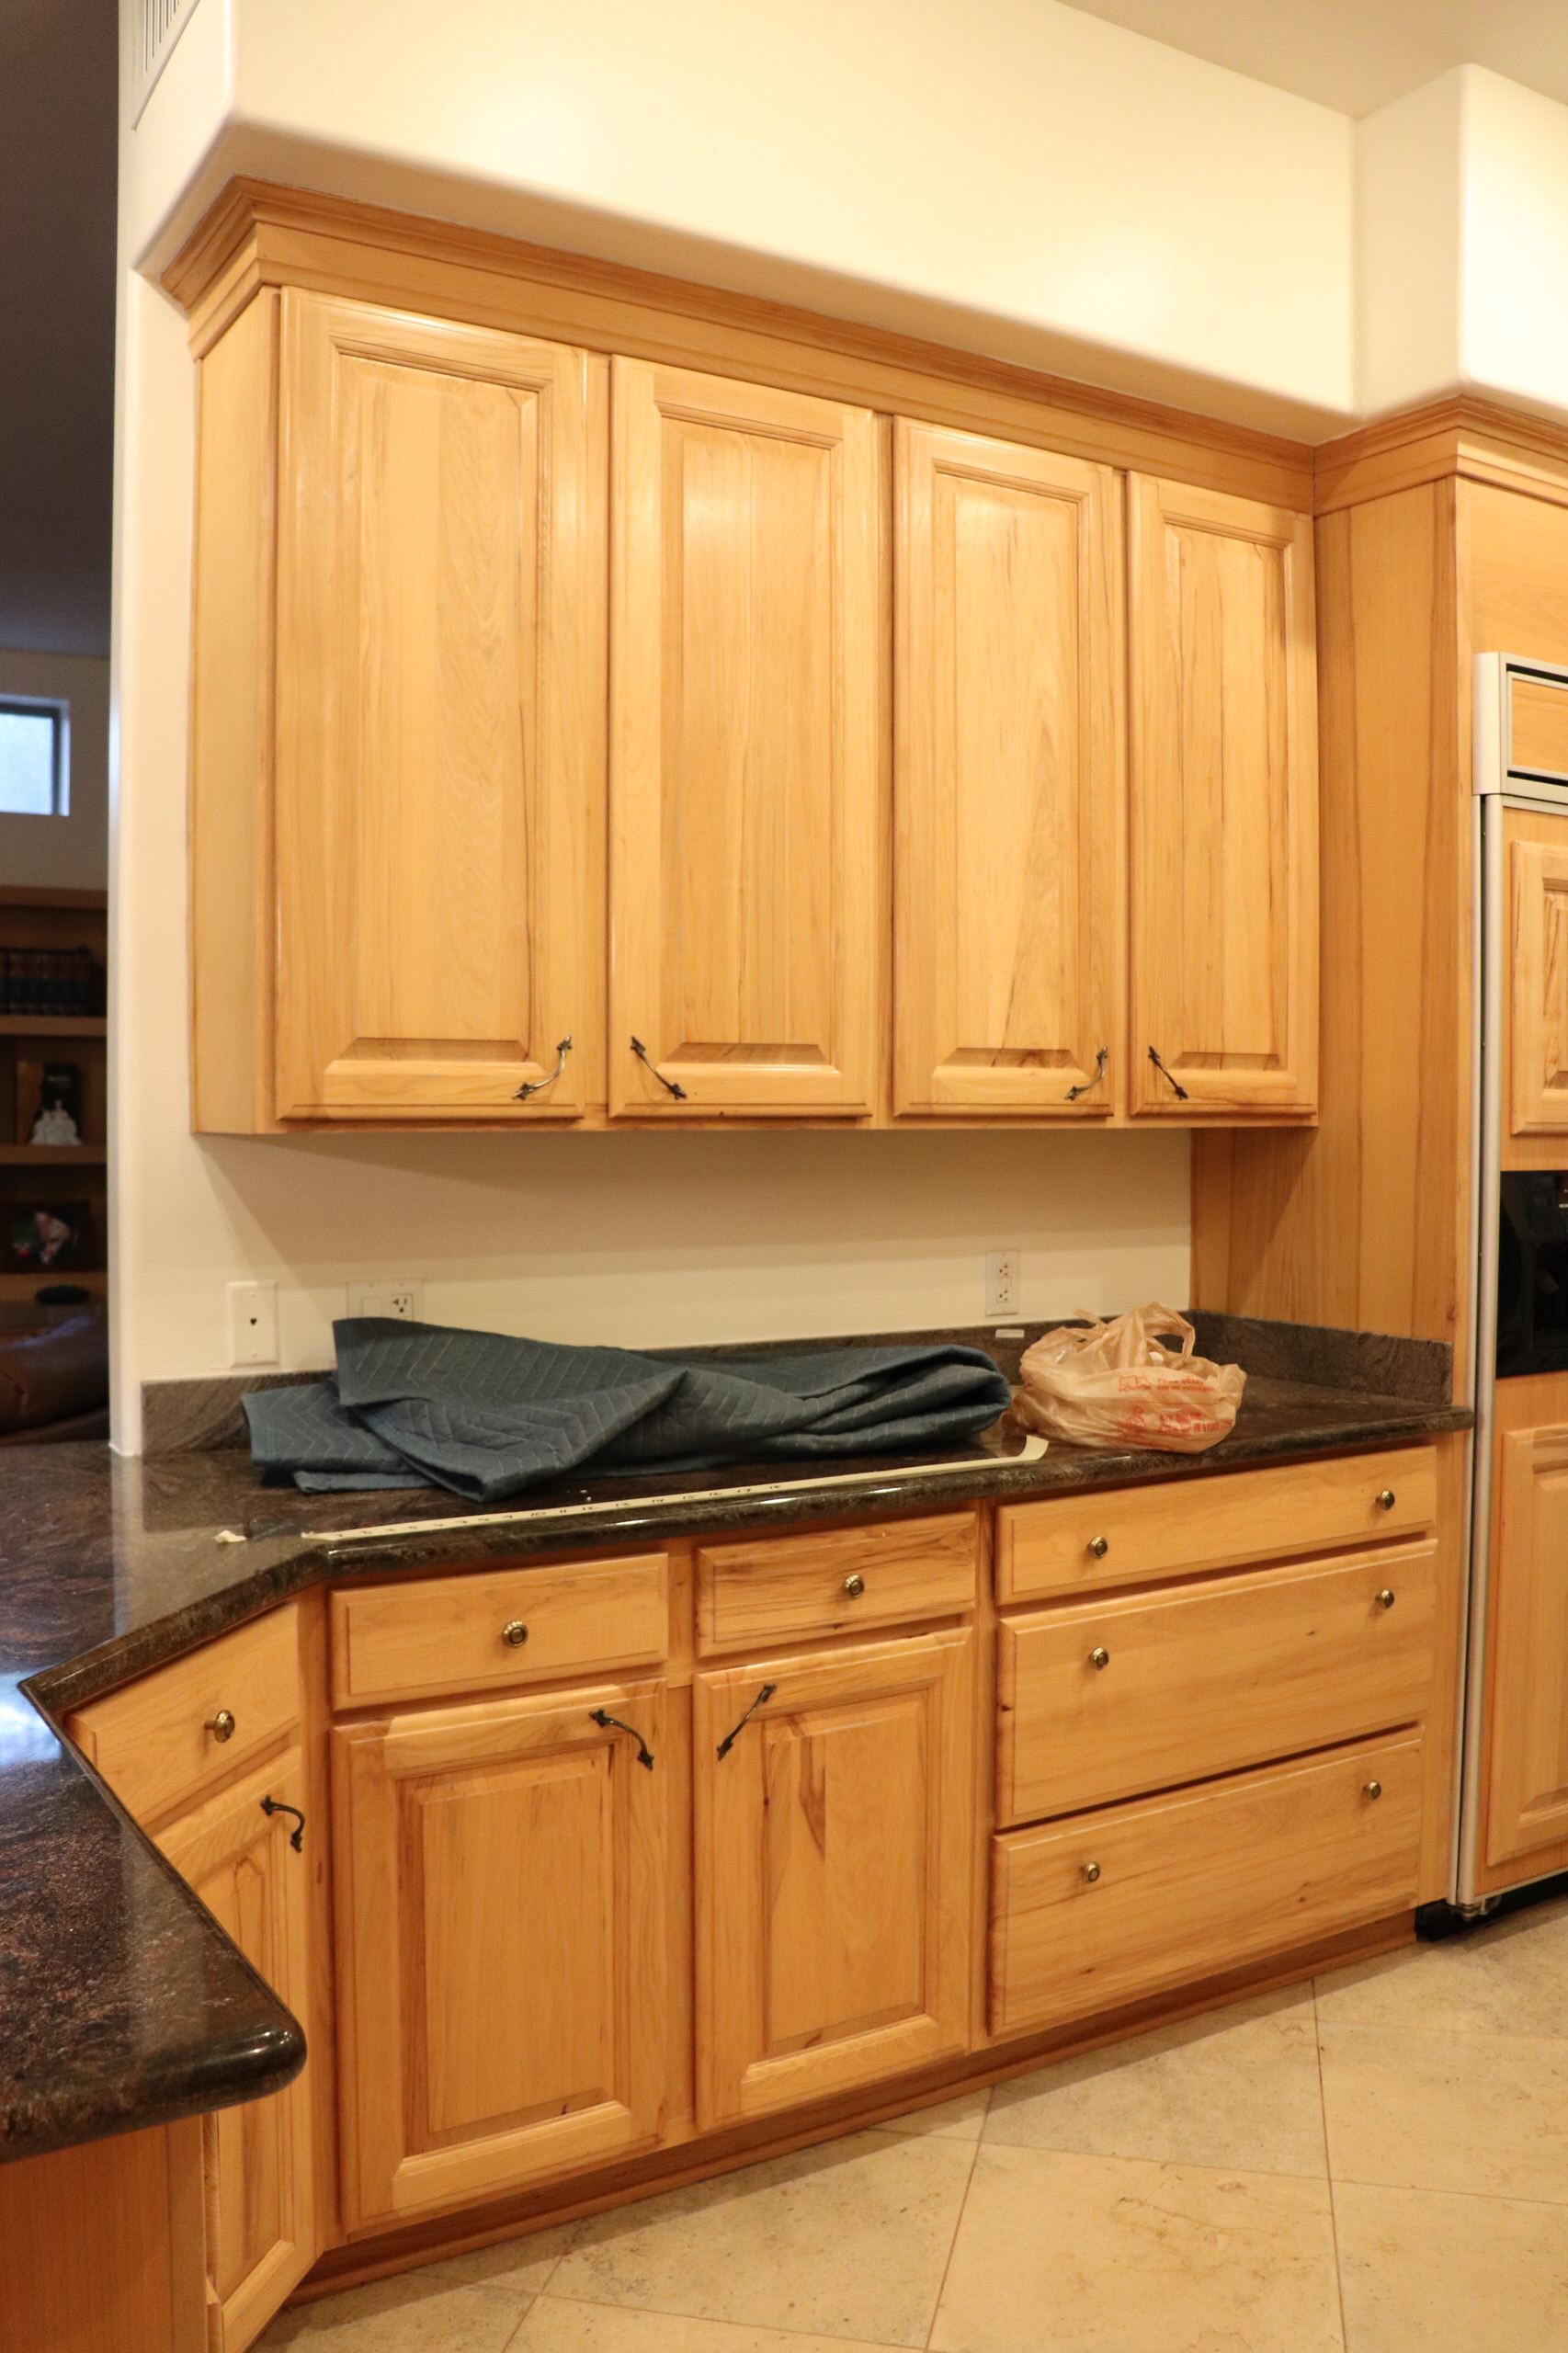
(501, 1883)
(1224, 899)
(1528, 1715)
(747, 754)
(1536, 1047)
(1008, 779)
(408, 825)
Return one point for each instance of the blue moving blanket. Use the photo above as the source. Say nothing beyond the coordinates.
(415, 1405)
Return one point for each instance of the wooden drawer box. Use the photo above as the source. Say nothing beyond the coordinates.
(1130, 1535)
(161, 1741)
(789, 1587)
(1105, 1699)
(1091, 1914)
(473, 1632)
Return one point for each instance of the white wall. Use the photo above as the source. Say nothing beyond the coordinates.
(69, 852)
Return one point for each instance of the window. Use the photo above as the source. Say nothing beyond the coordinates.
(32, 759)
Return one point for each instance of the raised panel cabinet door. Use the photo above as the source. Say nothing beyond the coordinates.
(500, 1892)
(237, 1851)
(1538, 987)
(748, 754)
(1527, 1717)
(1223, 805)
(835, 1845)
(441, 663)
(1008, 777)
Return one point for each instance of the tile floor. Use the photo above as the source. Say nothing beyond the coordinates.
(1374, 2164)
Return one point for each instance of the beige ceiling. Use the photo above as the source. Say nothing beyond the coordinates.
(1358, 54)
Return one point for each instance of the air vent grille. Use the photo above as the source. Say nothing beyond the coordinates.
(158, 24)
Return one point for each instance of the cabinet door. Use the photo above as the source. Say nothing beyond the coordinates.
(1527, 1725)
(1538, 1002)
(440, 667)
(261, 2237)
(501, 1893)
(1008, 777)
(746, 751)
(834, 1840)
(1224, 903)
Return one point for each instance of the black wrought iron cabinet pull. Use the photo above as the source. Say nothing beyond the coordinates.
(641, 1051)
(1084, 1084)
(537, 1085)
(735, 1730)
(1181, 1093)
(603, 1716)
(297, 1836)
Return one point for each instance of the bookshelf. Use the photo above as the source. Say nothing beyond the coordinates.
(54, 1037)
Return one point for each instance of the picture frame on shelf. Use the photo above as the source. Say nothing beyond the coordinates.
(44, 1238)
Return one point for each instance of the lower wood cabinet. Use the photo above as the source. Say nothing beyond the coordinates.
(501, 1887)
(835, 1849)
(1527, 1718)
(238, 1852)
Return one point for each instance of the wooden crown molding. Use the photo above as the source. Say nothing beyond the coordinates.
(259, 234)
(1463, 435)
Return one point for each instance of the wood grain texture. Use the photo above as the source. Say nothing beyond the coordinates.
(1363, 1224)
(440, 719)
(1209, 1677)
(434, 1637)
(501, 1945)
(102, 2246)
(1228, 1871)
(1223, 806)
(257, 234)
(259, 2159)
(1526, 1804)
(1535, 1044)
(1008, 779)
(1537, 727)
(152, 1740)
(792, 1588)
(834, 1858)
(1463, 435)
(748, 838)
(1052, 1547)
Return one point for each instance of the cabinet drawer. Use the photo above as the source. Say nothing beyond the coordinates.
(157, 1742)
(1130, 1535)
(1145, 1690)
(790, 1586)
(505, 1626)
(1090, 1914)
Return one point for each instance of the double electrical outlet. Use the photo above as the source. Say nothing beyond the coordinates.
(1004, 1282)
(252, 1314)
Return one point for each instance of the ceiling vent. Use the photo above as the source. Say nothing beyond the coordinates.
(156, 25)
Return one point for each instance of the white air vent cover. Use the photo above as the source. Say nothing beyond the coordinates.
(156, 25)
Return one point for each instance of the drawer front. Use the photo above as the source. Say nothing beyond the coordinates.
(1106, 1698)
(160, 1742)
(1090, 1914)
(1130, 1535)
(439, 1635)
(790, 1588)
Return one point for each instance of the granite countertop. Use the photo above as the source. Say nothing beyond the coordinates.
(121, 2003)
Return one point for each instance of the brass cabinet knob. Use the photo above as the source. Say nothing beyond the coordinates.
(1090, 1873)
(1099, 1546)
(1372, 1789)
(514, 1633)
(1385, 1597)
(1099, 1655)
(221, 1726)
(1385, 1499)
(855, 1586)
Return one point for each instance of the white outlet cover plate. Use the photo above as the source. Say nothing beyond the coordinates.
(252, 1323)
(1003, 1281)
(398, 1297)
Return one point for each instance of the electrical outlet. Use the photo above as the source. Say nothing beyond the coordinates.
(252, 1323)
(1003, 1281)
(400, 1300)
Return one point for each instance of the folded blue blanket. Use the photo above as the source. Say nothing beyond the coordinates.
(417, 1405)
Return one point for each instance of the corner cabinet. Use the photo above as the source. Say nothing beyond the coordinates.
(580, 738)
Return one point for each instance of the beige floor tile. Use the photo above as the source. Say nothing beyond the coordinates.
(1429, 2274)
(1068, 2254)
(524, 2264)
(1508, 1976)
(412, 2314)
(950, 2120)
(1479, 2112)
(555, 2327)
(1237, 2088)
(846, 2239)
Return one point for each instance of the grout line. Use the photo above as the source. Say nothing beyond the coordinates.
(743, 2327)
(1328, 2172)
(958, 2224)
